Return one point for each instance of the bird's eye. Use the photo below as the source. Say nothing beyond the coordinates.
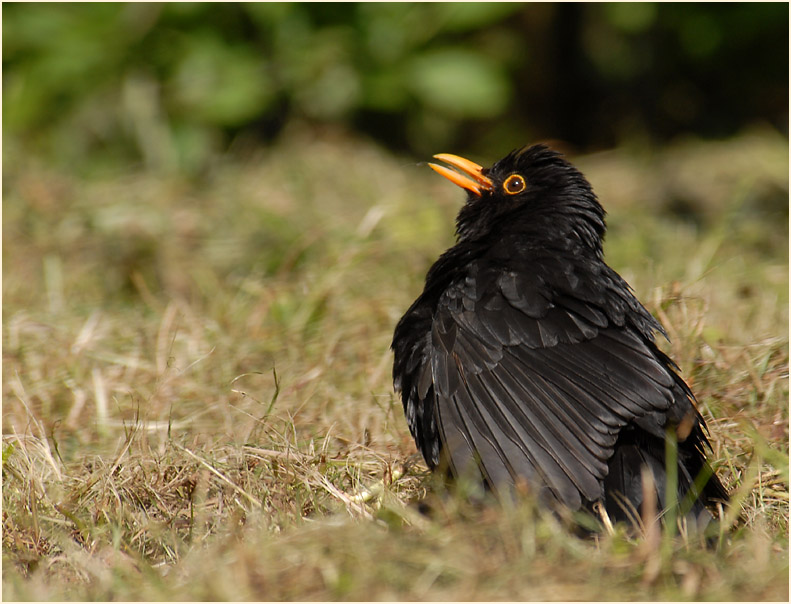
(514, 184)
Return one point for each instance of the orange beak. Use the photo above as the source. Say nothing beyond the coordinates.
(469, 175)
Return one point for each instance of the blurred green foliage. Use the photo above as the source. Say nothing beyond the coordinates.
(168, 85)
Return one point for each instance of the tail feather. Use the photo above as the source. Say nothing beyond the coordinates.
(696, 485)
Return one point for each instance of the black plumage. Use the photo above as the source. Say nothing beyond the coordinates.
(527, 359)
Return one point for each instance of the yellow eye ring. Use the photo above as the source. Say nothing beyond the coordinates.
(514, 184)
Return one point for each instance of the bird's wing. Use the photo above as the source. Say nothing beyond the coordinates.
(533, 382)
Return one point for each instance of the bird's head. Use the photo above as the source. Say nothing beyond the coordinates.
(531, 191)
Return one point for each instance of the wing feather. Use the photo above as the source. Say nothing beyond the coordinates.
(539, 424)
(527, 449)
(536, 390)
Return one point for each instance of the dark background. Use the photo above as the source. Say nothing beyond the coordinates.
(170, 86)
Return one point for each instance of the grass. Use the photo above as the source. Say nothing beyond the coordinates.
(197, 401)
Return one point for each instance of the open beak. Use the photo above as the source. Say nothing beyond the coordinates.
(468, 175)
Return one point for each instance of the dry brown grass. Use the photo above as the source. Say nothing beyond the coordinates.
(197, 400)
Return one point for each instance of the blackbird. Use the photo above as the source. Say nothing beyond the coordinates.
(528, 362)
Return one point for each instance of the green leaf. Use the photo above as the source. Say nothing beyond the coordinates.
(473, 16)
(222, 84)
(8, 450)
(463, 83)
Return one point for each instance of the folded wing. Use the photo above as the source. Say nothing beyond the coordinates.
(531, 383)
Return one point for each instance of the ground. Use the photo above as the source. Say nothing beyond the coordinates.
(197, 399)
